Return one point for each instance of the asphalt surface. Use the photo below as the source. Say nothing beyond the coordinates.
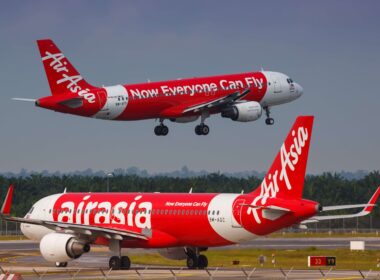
(371, 243)
(23, 256)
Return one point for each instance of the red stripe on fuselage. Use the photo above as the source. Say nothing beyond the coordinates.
(147, 100)
(175, 219)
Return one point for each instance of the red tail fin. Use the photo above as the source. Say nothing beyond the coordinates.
(6, 208)
(286, 176)
(61, 74)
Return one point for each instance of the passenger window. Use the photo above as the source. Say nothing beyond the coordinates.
(213, 212)
(217, 213)
(192, 212)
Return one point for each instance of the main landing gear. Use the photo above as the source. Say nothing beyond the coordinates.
(195, 260)
(161, 129)
(117, 263)
(202, 129)
(268, 120)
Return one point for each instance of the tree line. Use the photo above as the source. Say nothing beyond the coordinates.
(327, 188)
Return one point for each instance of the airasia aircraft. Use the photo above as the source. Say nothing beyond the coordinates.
(179, 225)
(239, 97)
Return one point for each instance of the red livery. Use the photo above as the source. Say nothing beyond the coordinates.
(179, 225)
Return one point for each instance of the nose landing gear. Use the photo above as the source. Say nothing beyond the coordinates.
(268, 120)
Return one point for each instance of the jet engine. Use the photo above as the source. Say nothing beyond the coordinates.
(173, 253)
(185, 119)
(61, 247)
(243, 112)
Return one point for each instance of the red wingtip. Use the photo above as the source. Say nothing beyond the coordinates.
(373, 200)
(6, 208)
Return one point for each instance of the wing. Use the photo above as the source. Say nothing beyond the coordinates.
(218, 102)
(366, 210)
(91, 231)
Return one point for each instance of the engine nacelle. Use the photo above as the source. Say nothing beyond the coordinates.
(185, 119)
(173, 253)
(62, 247)
(243, 112)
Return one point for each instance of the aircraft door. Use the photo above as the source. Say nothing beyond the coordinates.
(236, 217)
(277, 84)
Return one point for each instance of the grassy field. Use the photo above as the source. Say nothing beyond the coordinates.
(284, 258)
(12, 237)
(323, 234)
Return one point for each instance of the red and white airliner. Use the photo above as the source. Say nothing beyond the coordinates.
(179, 225)
(239, 97)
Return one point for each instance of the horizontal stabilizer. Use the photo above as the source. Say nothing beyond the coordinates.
(24, 99)
(366, 210)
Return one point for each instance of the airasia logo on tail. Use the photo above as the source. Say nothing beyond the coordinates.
(58, 64)
(289, 160)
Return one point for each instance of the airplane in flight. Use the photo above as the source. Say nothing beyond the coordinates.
(240, 97)
(179, 225)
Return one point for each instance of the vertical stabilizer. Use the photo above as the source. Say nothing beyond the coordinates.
(285, 178)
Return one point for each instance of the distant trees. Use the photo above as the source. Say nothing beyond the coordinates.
(327, 188)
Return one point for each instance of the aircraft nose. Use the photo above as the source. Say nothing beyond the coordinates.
(299, 89)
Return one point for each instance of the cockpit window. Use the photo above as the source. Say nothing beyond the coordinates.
(31, 210)
(290, 81)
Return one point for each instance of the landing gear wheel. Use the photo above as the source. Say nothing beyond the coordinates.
(164, 130)
(198, 130)
(161, 130)
(202, 262)
(157, 130)
(192, 262)
(115, 263)
(269, 121)
(125, 263)
(205, 129)
(202, 129)
(61, 264)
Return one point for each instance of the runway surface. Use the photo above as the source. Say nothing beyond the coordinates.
(371, 243)
(22, 256)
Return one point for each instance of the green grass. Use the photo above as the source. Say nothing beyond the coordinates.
(12, 237)
(323, 234)
(346, 259)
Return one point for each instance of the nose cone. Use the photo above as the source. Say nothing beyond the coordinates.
(298, 90)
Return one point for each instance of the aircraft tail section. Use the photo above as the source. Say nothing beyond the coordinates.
(61, 74)
(285, 178)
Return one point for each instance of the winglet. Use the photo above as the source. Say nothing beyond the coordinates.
(6, 208)
(372, 201)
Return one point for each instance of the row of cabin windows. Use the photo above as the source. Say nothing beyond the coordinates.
(195, 92)
(125, 211)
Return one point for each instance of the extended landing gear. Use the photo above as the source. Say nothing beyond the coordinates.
(161, 130)
(117, 263)
(61, 264)
(195, 260)
(268, 120)
(203, 129)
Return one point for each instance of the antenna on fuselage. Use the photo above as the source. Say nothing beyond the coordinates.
(64, 191)
(242, 191)
(191, 190)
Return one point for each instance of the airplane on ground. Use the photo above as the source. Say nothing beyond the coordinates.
(179, 225)
(240, 97)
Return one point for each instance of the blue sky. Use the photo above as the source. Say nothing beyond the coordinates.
(330, 47)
